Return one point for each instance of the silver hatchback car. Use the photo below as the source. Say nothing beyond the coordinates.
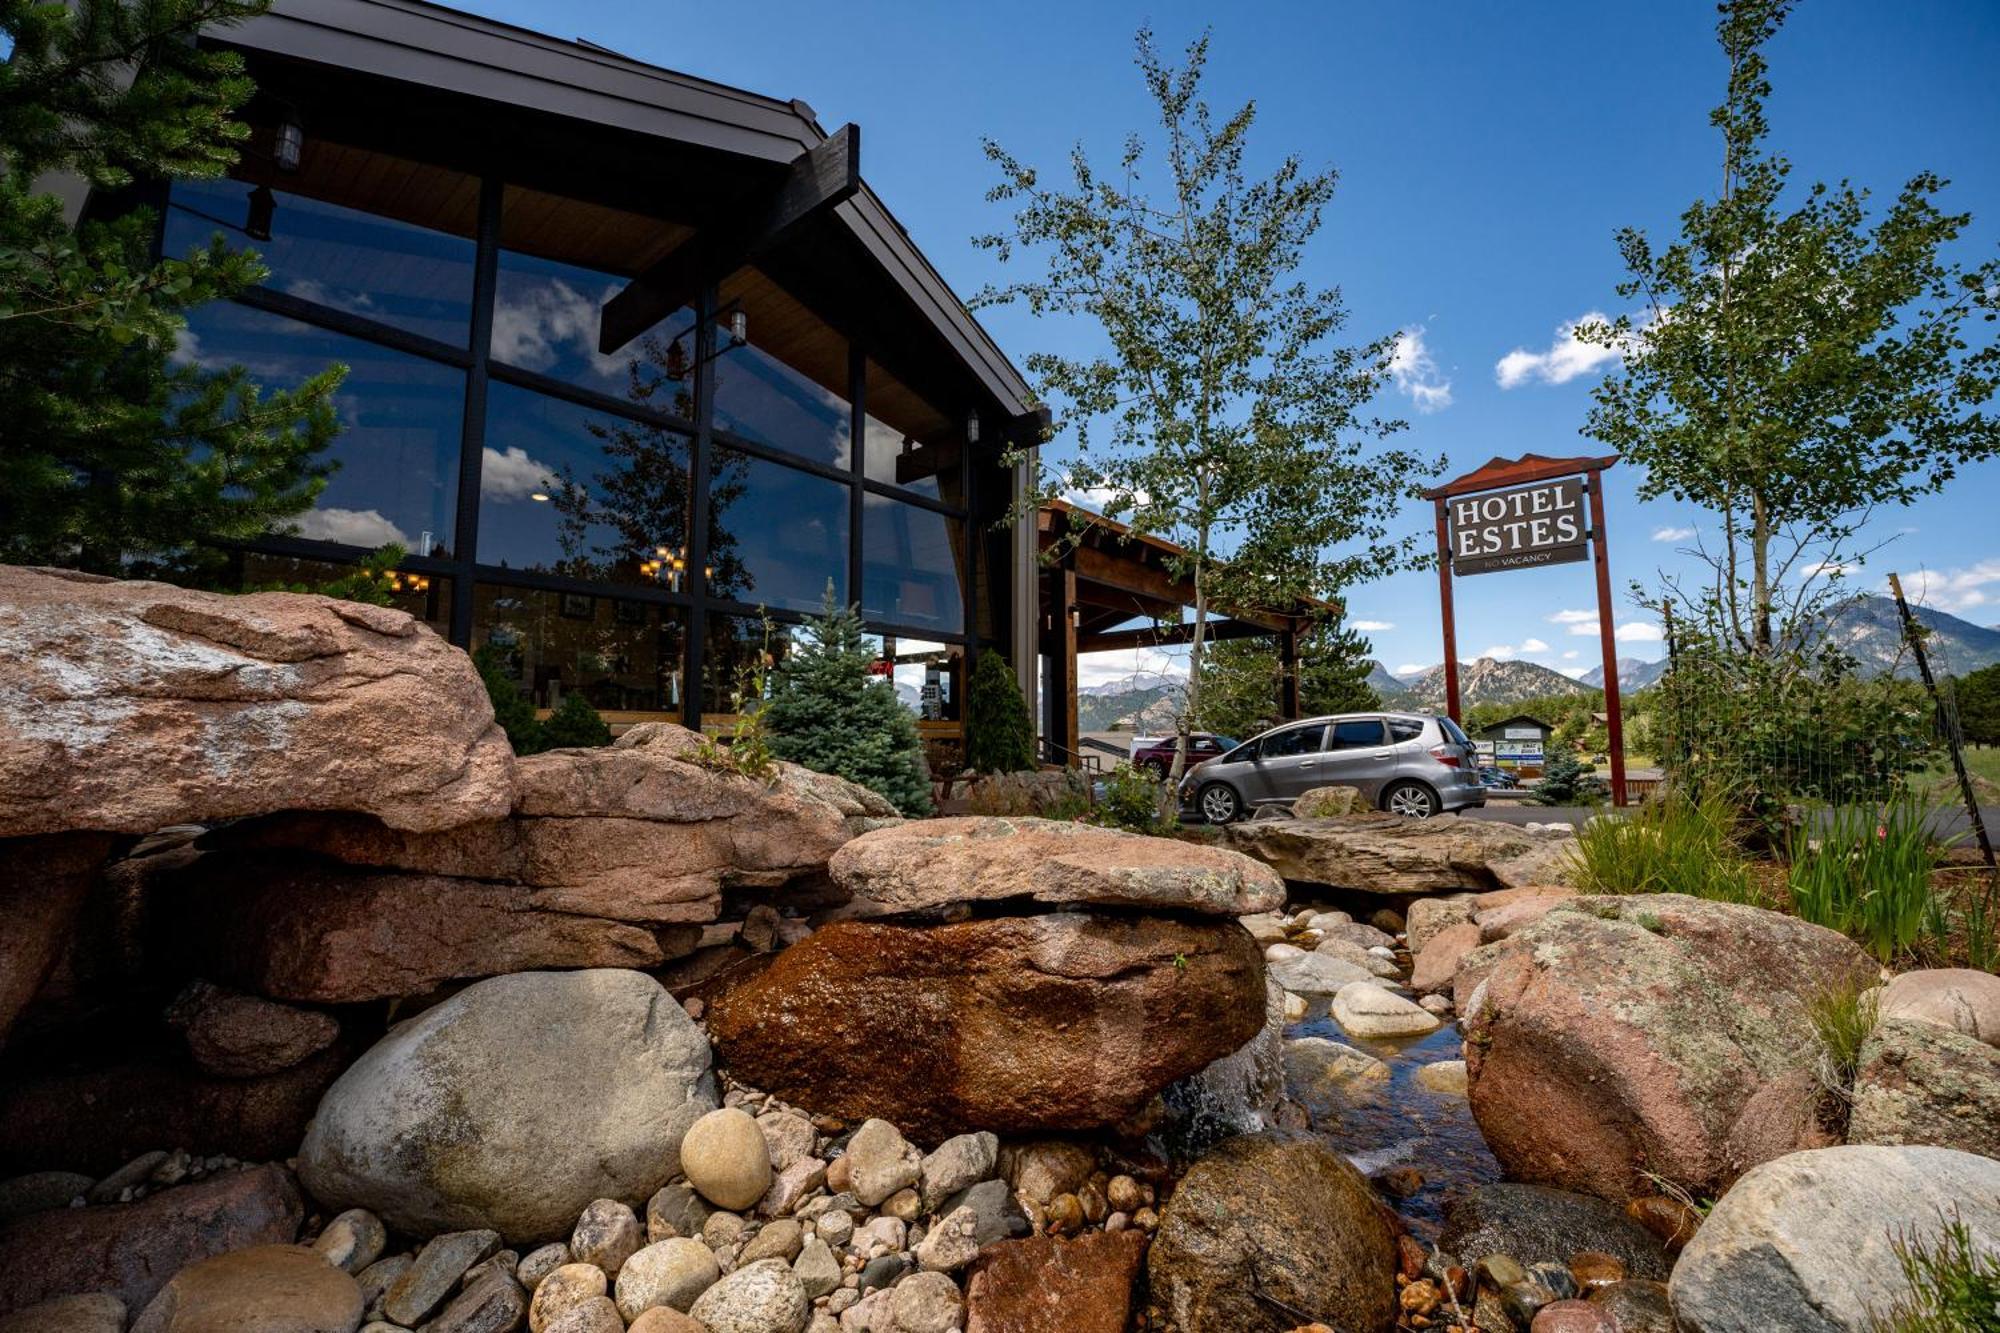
(1405, 763)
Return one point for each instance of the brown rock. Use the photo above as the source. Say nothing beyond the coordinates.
(1781, 1116)
(1960, 998)
(1621, 1035)
(43, 882)
(1438, 962)
(242, 1036)
(98, 1312)
(1594, 1268)
(1497, 923)
(1046, 1285)
(232, 706)
(1573, 1316)
(1381, 853)
(937, 863)
(1428, 916)
(1636, 1306)
(131, 1249)
(264, 1289)
(1669, 1219)
(1069, 1021)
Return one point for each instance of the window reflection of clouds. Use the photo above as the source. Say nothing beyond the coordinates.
(546, 316)
(761, 398)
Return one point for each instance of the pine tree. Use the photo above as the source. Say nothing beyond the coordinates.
(115, 455)
(999, 738)
(512, 710)
(829, 713)
(575, 724)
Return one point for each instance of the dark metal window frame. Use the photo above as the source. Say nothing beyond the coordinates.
(475, 360)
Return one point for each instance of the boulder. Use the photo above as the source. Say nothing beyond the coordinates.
(264, 1289)
(1381, 853)
(1323, 802)
(98, 1312)
(1497, 923)
(43, 883)
(1533, 1225)
(468, 1115)
(1919, 1082)
(131, 1249)
(1364, 1009)
(937, 863)
(1960, 998)
(1623, 1035)
(1428, 916)
(243, 1036)
(1267, 1234)
(1809, 1240)
(1010, 1024)
(1046, 1284)
(232, 706)
(1437, 962)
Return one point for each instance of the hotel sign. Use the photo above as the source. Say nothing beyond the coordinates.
(1519, 529)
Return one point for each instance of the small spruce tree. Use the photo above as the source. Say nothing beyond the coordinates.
(829, 713)
(514, 713)
(998, 736)
(575, 724)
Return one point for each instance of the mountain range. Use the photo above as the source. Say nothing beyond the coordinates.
(1485, 681)
(1870, 630)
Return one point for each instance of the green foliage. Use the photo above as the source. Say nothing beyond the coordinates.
(1867, 873)
(574, 725)
(120, 458)
(829, 712)
(1977, 694)
(375, 581)
(1130, 800)
(1673, 845)
(1223, 416)
(511, 709)
(999, 737)
(1954, 1286)
(1843, 1018)
(1567, 780)
(1241, 680)
(1793, 367)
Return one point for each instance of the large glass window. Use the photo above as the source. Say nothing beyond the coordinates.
(928, 676)
(567, 490)
(787, 386)
(545, 319)
(777, 536)
(738, 654)
(425, 596)
(400, 418)
(910, 443)
(911, 565)
(363, 263)
(622, 655)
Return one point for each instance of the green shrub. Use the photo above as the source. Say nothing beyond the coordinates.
(998, 735)
(511, 709)
(1954, 1286)
(1130, 800)
(1673, 845)
(1866, 872)
(575, 724)
(1567, 780)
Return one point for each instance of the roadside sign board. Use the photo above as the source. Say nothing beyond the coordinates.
(1519, 529)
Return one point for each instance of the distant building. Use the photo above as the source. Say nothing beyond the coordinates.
(1516, 745)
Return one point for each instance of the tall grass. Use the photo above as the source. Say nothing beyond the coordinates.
(1674, 845)
(1842, 1017)
(1954, 1286)
(1866, 872)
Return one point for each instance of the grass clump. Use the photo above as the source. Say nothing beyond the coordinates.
(1954, 1286)
(1674, 845)
(1866, 872)
(1843, 1017)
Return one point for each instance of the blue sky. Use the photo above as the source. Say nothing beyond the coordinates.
(1487, 155)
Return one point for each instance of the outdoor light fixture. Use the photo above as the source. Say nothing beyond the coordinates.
(677, 364)
(739, 328)
(257, 223)
(972, 428)
(668, 566)
(288, 143)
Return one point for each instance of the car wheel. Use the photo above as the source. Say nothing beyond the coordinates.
(1412, 800)
(1156, 767)
(1219, 803)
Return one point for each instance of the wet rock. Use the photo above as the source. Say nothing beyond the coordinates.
(1062, 1022)
(1327, 1075)
(670, 1272)
(1380, 853)
(1959, 998)
(1361, 956)
(431, 1128)
(1920, 1082)
(764, 1297)
(1594, 1268)
(268, 1288)
(1672, 1222)
(1636, 1306)
(1445, 1077)
(937, 863)
(1366, 1010)
(1286, 1219)
(1817, 1230)
(1574, 1316)
(1539, 1225)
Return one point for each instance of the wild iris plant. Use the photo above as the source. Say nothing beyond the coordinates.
(1867, 873)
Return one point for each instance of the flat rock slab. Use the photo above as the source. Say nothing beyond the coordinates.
(1045, 1284)
(231, 706)
(270, 1288)
(1382, 853)
(981, 858)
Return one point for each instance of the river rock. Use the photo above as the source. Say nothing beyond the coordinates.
(670, 1272)
(1011, 1024)
(491, 1302)
(1382, 853)
(1960, 998)
(1808, 1240)
(1285, 1220)
(1364, 1009)
(97, 1312)
(880, 1161)
(1437, 962)
(607, 1234)
(131, 1249)
(1046, 1284)
(244, 1036)
(352, 1241)
(430, 1129)
(1327, 1076)
(597, 1315)
(566, 1289)
(958, 1163)
(1317, 973)
(1347, 951)
(764, 1297)
(927, 1303)
(1445, 1077)
(264, 1289)
(1535, 1225)
(936, 863)
(435, 1273)
(1920, 1082)
(726, 1157)
(1620, 1035)
(232, 706)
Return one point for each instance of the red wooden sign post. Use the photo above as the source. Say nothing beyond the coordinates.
(1521, 513)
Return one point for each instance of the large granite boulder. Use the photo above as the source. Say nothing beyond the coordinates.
(131, 1249)
(1808, 1241)
(1266, 1233)
(1382, 853)
(1622, 1035)
(514, 1105)
(1918, 1082)
(1961, 998)
(1012, 1024)
(43, 884)
(134, 705)
(978, 858)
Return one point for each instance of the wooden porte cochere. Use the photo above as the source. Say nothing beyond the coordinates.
(1509, 475)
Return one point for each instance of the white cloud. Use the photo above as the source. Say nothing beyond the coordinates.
(355, 527)
(1499, 651)
(1410, 669)
(186, 350)
(1575, 672)
(1672, 534)
(1097, 499)
(1828, 569)
(1567, 357)
(1574, 618)
(1584, 624)
(534, 327)
(1370, 626)
(1533, 646)
(1956, 590)
(1569, 655)
(512, 474)
(1415, 372)
(1640, 631)
(1104, 668)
